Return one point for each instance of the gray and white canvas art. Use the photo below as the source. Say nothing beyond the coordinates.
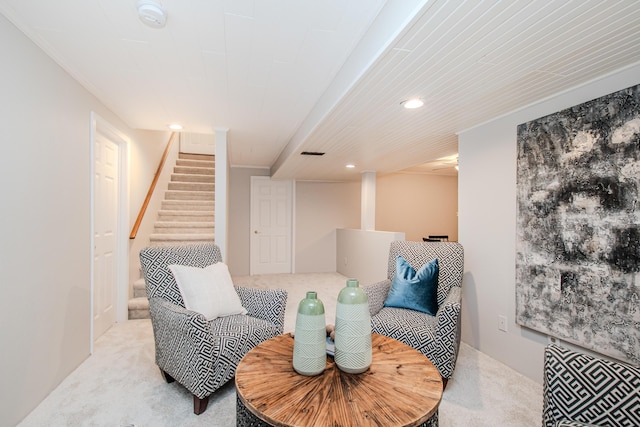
(578, 225)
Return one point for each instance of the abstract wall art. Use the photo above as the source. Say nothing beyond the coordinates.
(578, 225)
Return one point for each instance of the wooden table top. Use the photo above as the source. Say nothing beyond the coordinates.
(401, 388)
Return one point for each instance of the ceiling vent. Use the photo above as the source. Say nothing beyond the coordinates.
(152, 13)
(311, 153)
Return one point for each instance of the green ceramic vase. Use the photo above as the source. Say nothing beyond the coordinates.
(309, 342)
(353, 329)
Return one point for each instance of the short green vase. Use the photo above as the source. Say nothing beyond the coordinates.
(309, 342)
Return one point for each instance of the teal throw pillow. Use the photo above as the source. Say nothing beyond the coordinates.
(414, 290)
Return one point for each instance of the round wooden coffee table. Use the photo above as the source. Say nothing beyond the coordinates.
(401, 388)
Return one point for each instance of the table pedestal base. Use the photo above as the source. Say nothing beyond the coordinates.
(245, 418)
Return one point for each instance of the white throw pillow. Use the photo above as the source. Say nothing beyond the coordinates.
(208, 290)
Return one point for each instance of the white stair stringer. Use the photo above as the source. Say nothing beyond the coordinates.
(186, 215)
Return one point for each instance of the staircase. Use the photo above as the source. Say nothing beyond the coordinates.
(185, 217)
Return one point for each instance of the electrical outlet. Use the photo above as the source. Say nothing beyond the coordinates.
(345, 261)
(502, 323)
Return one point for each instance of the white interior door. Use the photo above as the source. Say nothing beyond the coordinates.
(105, 260)
(196, 143)
(271, 226)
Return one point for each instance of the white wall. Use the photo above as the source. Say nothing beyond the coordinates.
(403, 204)
(321, 208)
(146, 154)
(487, 226)
(45, 223)
(239, 240)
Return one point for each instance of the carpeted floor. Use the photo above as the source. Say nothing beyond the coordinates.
(120, 385)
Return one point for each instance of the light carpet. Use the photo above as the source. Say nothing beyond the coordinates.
(120, 385)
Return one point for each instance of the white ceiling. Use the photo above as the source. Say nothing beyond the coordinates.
(286, 76)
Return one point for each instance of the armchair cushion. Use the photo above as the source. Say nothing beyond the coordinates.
(265, 304)
(208, 290)
(408, 326)
(414, 290)
(237, 334)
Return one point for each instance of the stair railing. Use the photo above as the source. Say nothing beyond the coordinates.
(152, 187)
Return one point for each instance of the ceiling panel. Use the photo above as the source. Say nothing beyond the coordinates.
(292, 75)
(477, 60)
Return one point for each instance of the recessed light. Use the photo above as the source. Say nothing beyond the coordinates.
(175, 126)
(410, 104)
(350, 166)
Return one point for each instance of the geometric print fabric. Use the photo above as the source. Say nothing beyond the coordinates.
(565, 423)
(155, 261)
(199, 354)
(450, 259)
(580, 389)
(437, 337)
(418, 333)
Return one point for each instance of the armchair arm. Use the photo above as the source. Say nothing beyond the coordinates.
(448, 332)
(265, 304)
(377, 293)
(178, 328)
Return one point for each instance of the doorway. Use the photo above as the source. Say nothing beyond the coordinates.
(271, 226)
(109, 288)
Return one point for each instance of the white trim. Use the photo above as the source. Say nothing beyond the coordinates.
(98, 124)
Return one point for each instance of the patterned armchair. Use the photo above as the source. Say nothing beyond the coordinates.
(582, 390)
(437, 337)
(202, 355)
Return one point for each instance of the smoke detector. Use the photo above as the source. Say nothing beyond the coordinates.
(152, 13)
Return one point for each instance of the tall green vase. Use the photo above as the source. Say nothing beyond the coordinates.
(353, 329)
(309, 342)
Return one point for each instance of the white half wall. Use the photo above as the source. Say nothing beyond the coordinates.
(487, 226)
(364, 254)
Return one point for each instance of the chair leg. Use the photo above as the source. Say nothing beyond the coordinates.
(168, 378)
(199, 405)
